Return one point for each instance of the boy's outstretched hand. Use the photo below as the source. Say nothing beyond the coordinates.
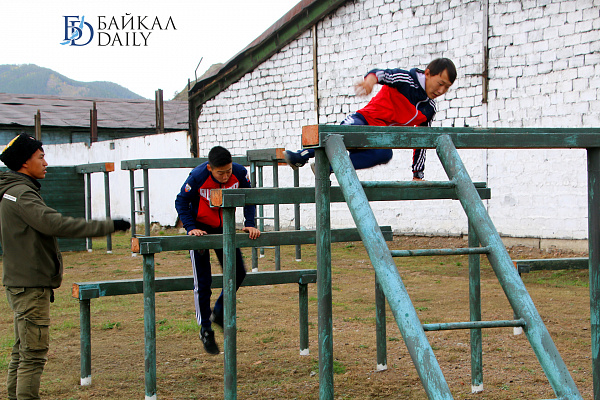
(365, 87)
(253, 232)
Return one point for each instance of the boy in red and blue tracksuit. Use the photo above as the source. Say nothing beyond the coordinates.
(406, 99)
(198, 218)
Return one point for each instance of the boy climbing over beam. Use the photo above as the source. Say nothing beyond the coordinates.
(407, 98)
(199, 219)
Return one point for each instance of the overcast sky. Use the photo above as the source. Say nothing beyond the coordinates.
(160, 53)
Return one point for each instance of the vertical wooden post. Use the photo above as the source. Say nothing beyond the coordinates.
(276, 215)
(159, 108)
(93, 124)
(297, 215)
(85, 342)
(261, 209)
(146, 207)
(303, 319)
(475, 313)
(229, 306)
(38, 125)
(593, 167)
(88, 203)
(149, 326)
(132, 205)
(380, 327)
(324, 291)
(253, 184)
(107, 209)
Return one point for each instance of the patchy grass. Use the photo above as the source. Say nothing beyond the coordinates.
(268, 361)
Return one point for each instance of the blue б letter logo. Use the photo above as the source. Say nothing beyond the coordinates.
(74, 30)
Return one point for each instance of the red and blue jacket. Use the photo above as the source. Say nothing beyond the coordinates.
(401, 101)
(193, 201)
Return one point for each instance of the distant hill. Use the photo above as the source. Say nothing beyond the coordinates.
(31, 79)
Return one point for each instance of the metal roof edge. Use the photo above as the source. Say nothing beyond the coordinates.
(301, 17)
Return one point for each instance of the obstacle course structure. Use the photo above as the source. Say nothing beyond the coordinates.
(331, 143)
(256, 160)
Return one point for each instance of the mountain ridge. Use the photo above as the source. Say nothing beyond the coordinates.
(32, 79)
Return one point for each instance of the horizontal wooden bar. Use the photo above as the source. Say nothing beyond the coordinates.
(474, 325)
(95, 167)
(166, 163)
(157, 244)
(93, 290)
(395, 137)
(410, 190)
(440, 252)
(552, 264)
(265, 154)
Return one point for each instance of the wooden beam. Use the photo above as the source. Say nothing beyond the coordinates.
(167, 163)
(409, 190)
(395, 137)
(95, 167)
(157, 244)
(93, 290)
(552, 264)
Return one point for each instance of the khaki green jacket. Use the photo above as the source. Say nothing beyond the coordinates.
(28, 231)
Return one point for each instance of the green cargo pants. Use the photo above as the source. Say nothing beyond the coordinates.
(31, 308)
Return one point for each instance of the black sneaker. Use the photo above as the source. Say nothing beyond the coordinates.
(208, 339)
(217, 319)
(296, 159)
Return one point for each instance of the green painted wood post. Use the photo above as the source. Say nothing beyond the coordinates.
(303, 320)
(276, 215)
(593, 167)
(380, 327)
(132, 203)
(253, 184)
(229, 306)
(85, 341)
(406, 316)
(88, 205)
(556, 371)
(146, 202)
(297, 215)
(107, 209)
(475, 315)
(261, 210)
(149, 327)
(324, 291)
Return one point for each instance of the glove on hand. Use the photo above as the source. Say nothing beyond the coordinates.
(121, 225)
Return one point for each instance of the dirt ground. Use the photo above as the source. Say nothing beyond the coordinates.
(269, 364)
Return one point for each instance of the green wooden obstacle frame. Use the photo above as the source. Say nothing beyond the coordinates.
(85, 291)
(229, 199)
(255, 159)
(331, 142)
(229, 241)
(147, 164)
(88, 170)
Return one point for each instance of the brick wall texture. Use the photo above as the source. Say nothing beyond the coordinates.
(544, 71)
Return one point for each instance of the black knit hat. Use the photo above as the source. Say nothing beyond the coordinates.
(18, 151)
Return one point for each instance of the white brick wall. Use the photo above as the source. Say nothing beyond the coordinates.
(544, 70)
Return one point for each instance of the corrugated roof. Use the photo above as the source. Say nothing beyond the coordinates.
(20, 109)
